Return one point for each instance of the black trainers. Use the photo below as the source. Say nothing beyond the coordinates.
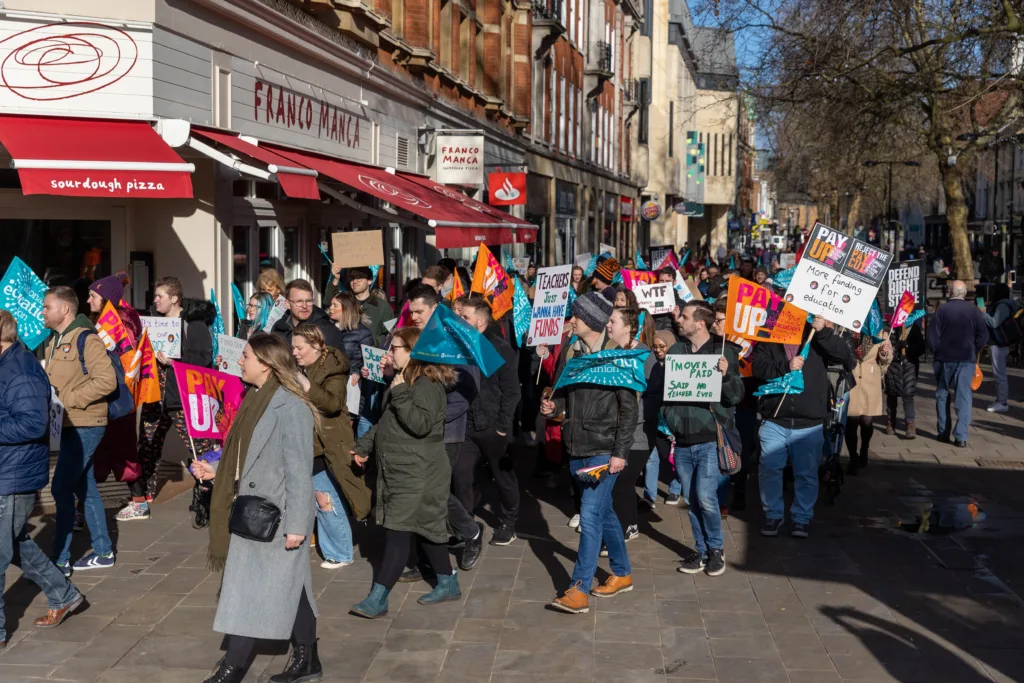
(671, 499)
(716, 562)
(771, 527)
(415, 574)
(504, 535)
(632, 531)
(694, 565)
(800, 530)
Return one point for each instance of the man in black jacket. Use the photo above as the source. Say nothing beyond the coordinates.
(299, 294)
(792, 425)
(490, 421)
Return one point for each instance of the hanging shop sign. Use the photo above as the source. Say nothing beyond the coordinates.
(651, 210)
(460, 159)
(626, 208)
(506, 189)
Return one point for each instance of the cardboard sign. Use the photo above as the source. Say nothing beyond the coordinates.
(22, 294)
(758, 314)
(209, 399)
(56, 420)
(838, 277)
(372, 357)
(908, 276)
(276, 313)
(550, 298)
(164, 335)
(693, 378)
(353, 249)
(657, 298)
(230, 351)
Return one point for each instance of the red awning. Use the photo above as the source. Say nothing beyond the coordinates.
(93, 158)
(297, 182)
(469, 202)
(454, 238)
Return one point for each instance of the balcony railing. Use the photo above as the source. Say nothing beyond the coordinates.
(600, 61)
(550, 10)
(629, 91)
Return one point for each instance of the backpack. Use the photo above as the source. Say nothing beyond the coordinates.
(1012, 329)
(120, 402)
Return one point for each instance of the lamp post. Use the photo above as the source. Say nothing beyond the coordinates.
(888, 204)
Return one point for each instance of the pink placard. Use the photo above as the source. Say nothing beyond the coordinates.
(210, 400)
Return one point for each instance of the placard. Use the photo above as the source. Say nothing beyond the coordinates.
(372, 357)
(660, 256)
(22, 293)
(693, 378)
(656, 298)
(582, 260)
(354, 249)
(230, 351)
(787, 261)
(758, 314)
(209, 400)
(551, 296)
(606, 249)
(906, 276)
(276, 313)
(352, 396)
(838, 277)
(164, 335)
(56, 420)
(520, 264)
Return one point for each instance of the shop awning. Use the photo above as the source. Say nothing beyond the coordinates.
(297, 182)
(93, 158)
(469, 202)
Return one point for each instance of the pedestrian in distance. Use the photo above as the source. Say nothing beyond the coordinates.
(865, 402)
(1002, 311)
(664, 441)
(344, 311)
(900, 381)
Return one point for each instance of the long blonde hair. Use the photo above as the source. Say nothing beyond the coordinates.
(271, 282)
(273, 352)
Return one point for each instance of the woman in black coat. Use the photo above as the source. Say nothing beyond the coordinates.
(900, 380)
(344, 311)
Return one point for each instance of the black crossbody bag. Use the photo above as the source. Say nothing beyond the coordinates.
(252, 517)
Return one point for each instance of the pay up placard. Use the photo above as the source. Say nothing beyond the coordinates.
(550, 297)
(838, 277)
(694, 379)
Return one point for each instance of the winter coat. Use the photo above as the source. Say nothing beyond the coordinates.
(650, 401)
(197, 315)
(866, 395)
(696, 423)
(1002, 310)
(84, 395)
(413, 472)
(495, 404)
(373, 308)
(350, 346)
(332, 335)
(328, 387)
(262, 582)
(901, 378)
(457, 401)
(24, 422)
(958, 332)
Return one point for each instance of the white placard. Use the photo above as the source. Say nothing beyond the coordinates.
(276, 313)
(371, 360)
(606, 249)
(353, 393)
(657, 298)
(551, 296)
(682, 288)
(389, 325)
(164, 334)
(230, 351)
(56, 420)
(582, 260)
(693, 379)
(460, 159)
(521, 263)
(658, 256)
(787, 261)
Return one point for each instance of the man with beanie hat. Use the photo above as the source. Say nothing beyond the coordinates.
(598, 430)
(605, 273)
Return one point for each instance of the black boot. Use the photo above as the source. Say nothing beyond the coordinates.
(863, 460)
(303, 666)
(226, 673)
(471, 551)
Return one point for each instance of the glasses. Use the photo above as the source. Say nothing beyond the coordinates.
(305, 303)
(719, 321)
(250, 306)
(398, 346)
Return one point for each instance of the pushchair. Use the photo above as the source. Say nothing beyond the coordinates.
(830, 472)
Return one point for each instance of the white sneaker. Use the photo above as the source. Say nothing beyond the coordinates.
(133, 511)
(331, 564)
(574, 523)
(998, 408)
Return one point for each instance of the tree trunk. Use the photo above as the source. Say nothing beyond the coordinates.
(853, 214)
(956, 219)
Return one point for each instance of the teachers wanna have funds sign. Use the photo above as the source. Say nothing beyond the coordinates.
(838, 277)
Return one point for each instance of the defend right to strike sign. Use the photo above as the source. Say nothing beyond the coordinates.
(550, 298)
(838, 277)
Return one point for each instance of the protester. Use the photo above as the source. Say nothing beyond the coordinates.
(576, 280)
(604, 274)
(82, 375)
(865, 402)
(900, 381)
(413, 475)
(957, 334)
(600, 423)
(1003, 308)
(157, 418)
(435, 276)
(664, 440)
(257, 313)
(792, 425)
(267, 588)
(625, 298)
(324, 376)
(344, 311)
(490, 421)
(301, 310)
(696, 427)
(270, 282)
(374, 310)
(25, 469)
(991, 266)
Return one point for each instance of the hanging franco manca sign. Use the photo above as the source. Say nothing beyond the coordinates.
(460, 159)
(838, 277)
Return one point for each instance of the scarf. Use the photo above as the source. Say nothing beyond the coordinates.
(236, 447)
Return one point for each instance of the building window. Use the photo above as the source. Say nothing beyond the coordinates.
(445, 53)
(729, 153)
(643, 86)
(671, 128)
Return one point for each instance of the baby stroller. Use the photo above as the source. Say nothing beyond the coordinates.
(830, 472)
(201, 493)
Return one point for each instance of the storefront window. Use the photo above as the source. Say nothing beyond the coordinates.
(291, 253)
(240, 258)
(268, 256)
(61, 252)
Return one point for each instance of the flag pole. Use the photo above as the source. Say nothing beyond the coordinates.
(786, 393)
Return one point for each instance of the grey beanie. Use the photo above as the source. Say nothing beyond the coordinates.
(594, 309)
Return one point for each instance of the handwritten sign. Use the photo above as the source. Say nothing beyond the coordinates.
(520, 264)
(372, 357)
(56, 420)
(230, 351)
(362, 248)
(693, 378)
(551, 296)
(276, 313)
(164, 335)
(657, 298)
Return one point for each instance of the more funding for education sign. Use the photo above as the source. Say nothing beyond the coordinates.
(460, 159)
(838, 277)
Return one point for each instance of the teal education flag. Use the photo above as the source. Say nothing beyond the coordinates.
(790, 383)
(22, 295)
(874, 324)
(614, 368)
(913, 318)
(239, 302)
(640, 325)
(732, 263)
(783, 277)
(218, 323)
(449, 340)
(521, 311)
(640, 265)
(686, 259)
(373, 275)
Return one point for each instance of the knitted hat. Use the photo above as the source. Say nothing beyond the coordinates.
(593, 309)
(606, 270)
(111, 287)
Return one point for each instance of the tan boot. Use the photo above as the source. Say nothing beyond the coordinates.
(911, 430)
(889, 428)
(613, 586)
(575, 601)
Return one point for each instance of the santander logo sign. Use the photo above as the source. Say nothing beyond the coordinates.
(507, 189)
(506, 192)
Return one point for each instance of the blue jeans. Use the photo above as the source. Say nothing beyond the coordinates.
(803, 447)
(363, 426)
(697, 467)
(333, 531)
(651, 471)
(599, 522)
(72, 477)
(18, 548)
(953, 378)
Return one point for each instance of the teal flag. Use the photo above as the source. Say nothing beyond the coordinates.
(218, 323)
(663, 425)
(449, 340)
(783, 277)
(615, 368)
(591, 267)
(707, 261)
(640, 265)
(373, 275)
(640, 325)
(686, 259)
(913, 318)
(790, 383)
(239, 302)
(324, 252)
(521, 311)
(732, 263)
(617, 278)
(874, 324)
(568, 306)
(22, 296)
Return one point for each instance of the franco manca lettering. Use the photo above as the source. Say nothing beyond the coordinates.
(277, 106)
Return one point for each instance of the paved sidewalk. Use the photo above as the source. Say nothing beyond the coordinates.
(861, 600)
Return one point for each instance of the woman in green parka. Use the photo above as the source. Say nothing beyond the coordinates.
(413, 474)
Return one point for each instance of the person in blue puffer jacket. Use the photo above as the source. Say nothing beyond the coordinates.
(24, 469)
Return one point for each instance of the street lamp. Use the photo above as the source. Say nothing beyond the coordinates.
(890, 164)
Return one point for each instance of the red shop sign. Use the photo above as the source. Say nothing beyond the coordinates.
(506, 189)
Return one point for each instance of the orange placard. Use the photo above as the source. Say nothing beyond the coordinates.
(757, 314)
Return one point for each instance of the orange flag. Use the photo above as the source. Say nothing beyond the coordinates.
(457, 288)
(112, 331)
(141, 375)
(490, 279)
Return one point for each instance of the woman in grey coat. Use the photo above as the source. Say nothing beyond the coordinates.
(267, 587)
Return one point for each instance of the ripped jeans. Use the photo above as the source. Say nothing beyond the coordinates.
(333, 530)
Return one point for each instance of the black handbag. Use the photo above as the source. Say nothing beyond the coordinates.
(252, 517)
